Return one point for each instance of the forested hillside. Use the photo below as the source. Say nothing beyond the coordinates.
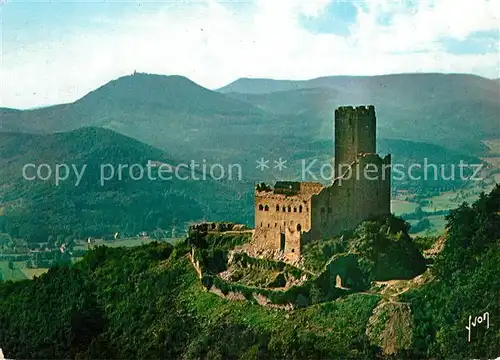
(467, 284)
(147, 302)
(127, 203)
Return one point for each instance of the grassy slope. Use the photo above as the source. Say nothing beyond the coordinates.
(154, 306)
(15, 274)
(466, 284)
(148, 302)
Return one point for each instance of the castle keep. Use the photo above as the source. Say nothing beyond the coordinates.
(293, 213)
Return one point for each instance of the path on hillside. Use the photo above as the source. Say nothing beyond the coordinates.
(394, 316)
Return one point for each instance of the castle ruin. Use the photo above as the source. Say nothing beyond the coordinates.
(294, 213)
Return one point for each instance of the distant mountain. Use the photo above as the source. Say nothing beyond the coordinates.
(168, 112)
(190, 122)
(109, 103)
(412, 84)
(175, 93)
(35, 209)
(7, 111)
(456, 111)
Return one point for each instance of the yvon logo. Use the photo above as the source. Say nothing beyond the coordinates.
(478, 320)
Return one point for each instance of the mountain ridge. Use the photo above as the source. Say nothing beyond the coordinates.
(456, 111)
(230, 87)
(190, 122)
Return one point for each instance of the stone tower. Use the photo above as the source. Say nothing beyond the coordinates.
(294, 213)
(355, 130)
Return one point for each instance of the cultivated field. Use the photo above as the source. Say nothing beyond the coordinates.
(399, 207)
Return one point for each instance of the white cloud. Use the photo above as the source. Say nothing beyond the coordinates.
(213, 44)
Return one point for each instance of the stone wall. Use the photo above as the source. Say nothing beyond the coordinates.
(282, 219)
(365, 195)
(234, 295)
(204, 227)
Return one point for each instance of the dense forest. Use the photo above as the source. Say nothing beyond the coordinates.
(133, 200)
(147, 302)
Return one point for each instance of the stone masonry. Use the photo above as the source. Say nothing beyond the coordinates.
(293, 213)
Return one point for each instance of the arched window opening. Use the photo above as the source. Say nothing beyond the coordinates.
(289, 208)
(266, 208)
(261, 207)
(299, 227)
(300, 208)
(284, 209)
(295, 209)
(277, 208)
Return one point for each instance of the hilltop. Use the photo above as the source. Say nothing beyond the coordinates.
(132, 95)
(240, 120)
(168, 112)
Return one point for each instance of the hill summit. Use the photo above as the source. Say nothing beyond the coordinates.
(172, 92)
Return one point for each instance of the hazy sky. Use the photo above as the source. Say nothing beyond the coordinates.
(57, 51)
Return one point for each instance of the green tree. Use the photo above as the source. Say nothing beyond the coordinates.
(51, 241)
(59, 240)
(11, 267)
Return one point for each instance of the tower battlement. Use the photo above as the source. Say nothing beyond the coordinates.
(355, 110)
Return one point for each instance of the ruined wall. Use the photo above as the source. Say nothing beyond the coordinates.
(234, 295)
(278, 216)
(217, 226)
(355, 132)
(283, 220)
(364, 193)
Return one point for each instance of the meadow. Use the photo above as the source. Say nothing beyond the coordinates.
(399, 207)
(14, 274)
